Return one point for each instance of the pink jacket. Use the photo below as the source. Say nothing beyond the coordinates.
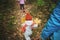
(22, 1)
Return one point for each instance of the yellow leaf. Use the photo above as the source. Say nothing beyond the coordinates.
(37, 21)
(23, 20)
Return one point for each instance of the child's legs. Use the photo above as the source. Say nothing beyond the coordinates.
(27, 37)
(22, 6)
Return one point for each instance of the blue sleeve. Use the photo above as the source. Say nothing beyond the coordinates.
(53, 24)
(48, 30)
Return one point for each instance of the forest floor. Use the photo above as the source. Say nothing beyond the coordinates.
(36, 32)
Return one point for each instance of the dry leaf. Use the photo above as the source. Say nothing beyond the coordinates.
(37, 21)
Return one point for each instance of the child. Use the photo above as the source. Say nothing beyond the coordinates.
(27, 26)
(22, 3)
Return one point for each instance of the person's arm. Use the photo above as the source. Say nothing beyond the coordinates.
(35, 25)
(47, 31)
(52, 25)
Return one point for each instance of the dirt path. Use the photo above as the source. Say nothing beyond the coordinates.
(19, 16)
(18, 20)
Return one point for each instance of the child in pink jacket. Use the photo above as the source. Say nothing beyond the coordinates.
(22, 3)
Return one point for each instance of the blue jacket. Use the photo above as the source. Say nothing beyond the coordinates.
(52, 27)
